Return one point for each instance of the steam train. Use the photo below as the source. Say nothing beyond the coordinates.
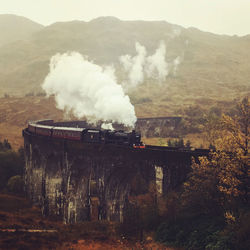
(104, 136)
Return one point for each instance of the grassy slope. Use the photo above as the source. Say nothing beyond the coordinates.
(16, 112)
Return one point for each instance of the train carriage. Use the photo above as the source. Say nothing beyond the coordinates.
(43, 130)
(67, 133)
(85, 135)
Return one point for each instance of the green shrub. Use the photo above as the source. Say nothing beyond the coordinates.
(5, 145)
(41, 94)
(242, 231)
(192, 232)
(29, 94)
(175, 143)
(11, 164)
(220, 241)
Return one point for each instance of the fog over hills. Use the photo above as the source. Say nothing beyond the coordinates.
(14, 28)
(211, 66)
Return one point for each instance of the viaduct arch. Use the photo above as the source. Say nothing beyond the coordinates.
(79, 181)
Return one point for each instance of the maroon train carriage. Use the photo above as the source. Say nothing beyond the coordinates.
(43, 130)
(85, 135)
(67, 133)
(32, 128)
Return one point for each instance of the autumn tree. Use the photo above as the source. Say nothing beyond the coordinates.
(223, 177)
(232, 154)
(214, 203)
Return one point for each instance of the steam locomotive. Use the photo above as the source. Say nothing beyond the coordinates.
(46, 128)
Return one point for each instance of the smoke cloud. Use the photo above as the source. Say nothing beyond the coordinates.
(142, 66)
(88, 90)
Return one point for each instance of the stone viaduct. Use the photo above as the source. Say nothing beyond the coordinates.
(79, 181)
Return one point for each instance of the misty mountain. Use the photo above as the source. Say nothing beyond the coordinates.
(13, 28)
(212, 66)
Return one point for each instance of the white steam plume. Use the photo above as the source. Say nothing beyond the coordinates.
(134, 65)
(107, 126)
(88, 90)
(141, 66)
(156, 66)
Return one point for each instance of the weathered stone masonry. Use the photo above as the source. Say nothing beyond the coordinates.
(78, 181)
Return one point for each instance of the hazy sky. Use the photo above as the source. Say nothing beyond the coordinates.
(218, 16)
